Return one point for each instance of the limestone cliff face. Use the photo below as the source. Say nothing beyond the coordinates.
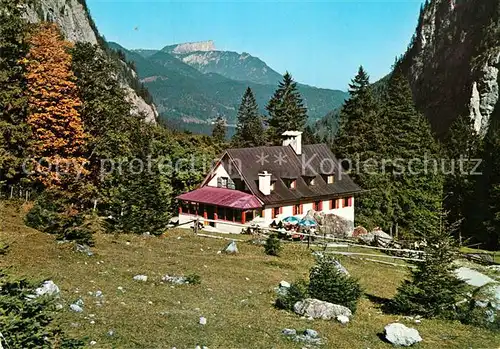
(75, 22)
(193, 46)
(454, 60)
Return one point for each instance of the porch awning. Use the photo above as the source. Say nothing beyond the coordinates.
(222, 197)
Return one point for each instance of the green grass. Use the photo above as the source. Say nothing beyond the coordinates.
(235, 295)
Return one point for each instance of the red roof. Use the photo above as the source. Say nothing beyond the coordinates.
(222, 197)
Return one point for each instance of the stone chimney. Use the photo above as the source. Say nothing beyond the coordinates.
(294, 139)
(265, 183)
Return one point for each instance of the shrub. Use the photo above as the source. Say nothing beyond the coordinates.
(27, 322)
(328, 284)
(82, 227)
(273, 245)
(193, 279)
(298, 291)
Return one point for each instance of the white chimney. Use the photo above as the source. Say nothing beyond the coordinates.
(294, 139)
(265, 183)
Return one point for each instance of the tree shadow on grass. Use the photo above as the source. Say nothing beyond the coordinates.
(384, 304)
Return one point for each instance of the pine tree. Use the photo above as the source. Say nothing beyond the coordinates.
(53, 110)
(309, 136)
(433, 288)
(14, 131)
(286, 110)
(104, 113)
(360, 140)
(219, 131)
(416, 184)
(249, 130)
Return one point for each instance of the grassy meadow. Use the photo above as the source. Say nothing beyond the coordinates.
(236, 293)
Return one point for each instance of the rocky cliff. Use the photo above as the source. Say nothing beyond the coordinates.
(77, 25)
(190, 47)
(454, 60)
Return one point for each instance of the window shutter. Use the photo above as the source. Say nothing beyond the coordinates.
(301, 209)
(320, 206)
(350, 202)
(219, 182)
(230, 184)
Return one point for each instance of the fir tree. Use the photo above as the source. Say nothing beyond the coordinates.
(286, 110)
(104, 113)
(461, 145)
(54, 117)
(14, 131)
(433, 288)
(249, 130)
(416, 183)
(219, 131)
(361, 140)
(309, 136)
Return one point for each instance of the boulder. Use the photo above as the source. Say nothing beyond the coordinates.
(400, 335)
(366, 239)
(48, 288)
(311, 333)
(358, 231)
(231, 248)
(342, 319)
(333, 225)
(317, 309)
(203, 321)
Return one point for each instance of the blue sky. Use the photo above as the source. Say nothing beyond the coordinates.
(321, 43)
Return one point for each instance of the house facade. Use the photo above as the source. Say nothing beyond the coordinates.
(266, 184)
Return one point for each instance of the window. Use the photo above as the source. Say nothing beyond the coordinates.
(310, 180)
(273, 185)
(297, 209)
(317, 206)
(347, 202)
(338, 203)
(330, 179)
(224, 182)
(276, 211)
(290, 183)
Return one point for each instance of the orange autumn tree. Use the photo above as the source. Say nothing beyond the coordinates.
(54, 118)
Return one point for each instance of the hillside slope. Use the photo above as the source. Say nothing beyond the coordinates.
(192, 83)
(236, 293)
(454, 60)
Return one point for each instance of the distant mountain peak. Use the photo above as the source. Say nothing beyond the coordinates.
(191, 47)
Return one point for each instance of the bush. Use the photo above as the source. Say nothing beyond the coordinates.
(193, 279)
(53, 214)
(27, 322)
(328, 284)
(298, 291)
(481, 309)
(273, 245)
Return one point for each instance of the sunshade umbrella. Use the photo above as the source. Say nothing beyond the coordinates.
(291, 220)
(307, 223)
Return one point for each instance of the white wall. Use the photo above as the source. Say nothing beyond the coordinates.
(220, 171)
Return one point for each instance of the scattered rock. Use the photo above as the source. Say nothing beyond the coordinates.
(342, 319)
(84, 249)
(76, 308)
(79, 302)
(178, 280)
(285, 284)
(143, 278)
(111, 333)
(317, 309)
(311, 333)
(333, 225)
(48, 288)
(120, 288)
(400, 335)
(289, 332)
(93, 343)
(98, 294)
(231, 248)
(203, 321)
